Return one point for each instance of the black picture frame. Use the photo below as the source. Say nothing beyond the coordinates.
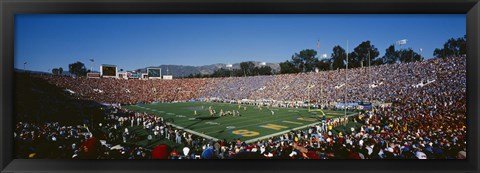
(9, 8)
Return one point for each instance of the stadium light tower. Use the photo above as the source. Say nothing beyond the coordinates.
(324, 56)
(25, 63)
(262, 64)
(421, 53)
(401, 42)
(308, 95)
(229, 66)
(93, 64)
(346, 86)
(369, 79)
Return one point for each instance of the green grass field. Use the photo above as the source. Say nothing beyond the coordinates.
(253, 124)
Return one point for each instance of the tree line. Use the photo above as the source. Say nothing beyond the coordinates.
(247, 68)
(365, 54)
(76, 68)
(453, 47)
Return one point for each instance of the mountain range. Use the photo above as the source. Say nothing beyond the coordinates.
(181, 70)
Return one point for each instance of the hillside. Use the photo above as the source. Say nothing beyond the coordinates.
(180, 70)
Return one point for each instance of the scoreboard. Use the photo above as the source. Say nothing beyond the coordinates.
(155, 73)
(108, 70)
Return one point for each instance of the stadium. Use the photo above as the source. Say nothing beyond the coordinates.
(412, 110)
(231, 86)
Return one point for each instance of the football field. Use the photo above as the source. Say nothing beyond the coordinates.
(254, 123)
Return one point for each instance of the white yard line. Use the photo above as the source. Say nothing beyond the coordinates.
(188, 130)
(193, 132)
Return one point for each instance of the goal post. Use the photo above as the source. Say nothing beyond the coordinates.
(309, 86)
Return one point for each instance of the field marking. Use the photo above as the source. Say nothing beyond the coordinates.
(283, 132)
(263, 122)
(245, 133)
(292, 122)
(285, 117)
(193, 132)
(274, 126)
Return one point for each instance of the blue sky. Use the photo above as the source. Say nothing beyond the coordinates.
(136, 41)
